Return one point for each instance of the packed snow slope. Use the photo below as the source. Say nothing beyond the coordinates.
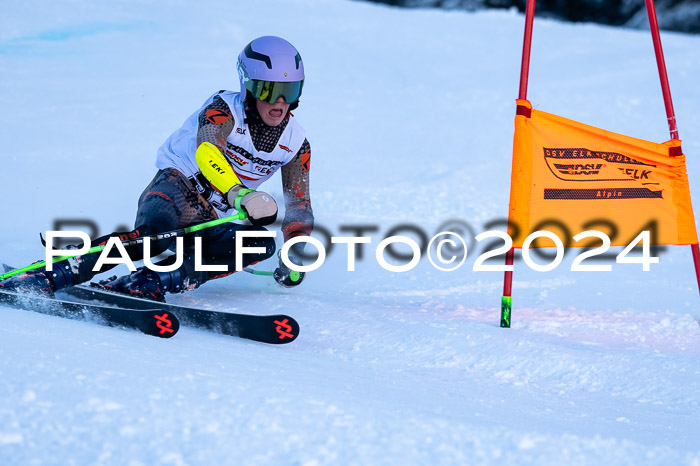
(410, 117)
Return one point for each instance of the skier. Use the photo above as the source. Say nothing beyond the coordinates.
(252, 134)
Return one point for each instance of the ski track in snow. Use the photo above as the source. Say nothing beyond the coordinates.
(410, 116)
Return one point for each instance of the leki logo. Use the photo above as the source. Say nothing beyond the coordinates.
(216, 167)
(284, 332)
(164, 324)
(285, 148)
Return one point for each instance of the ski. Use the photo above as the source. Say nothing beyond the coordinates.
(273, 329)
(151, 321)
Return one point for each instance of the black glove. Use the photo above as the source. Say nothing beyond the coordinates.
(284, 275)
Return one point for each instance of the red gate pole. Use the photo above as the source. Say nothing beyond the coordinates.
(661, 63)
(507, 299)
(670, 113)
(527, 45)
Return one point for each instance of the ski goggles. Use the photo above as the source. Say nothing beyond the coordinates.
(270, 91)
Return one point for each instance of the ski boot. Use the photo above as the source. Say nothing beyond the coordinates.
(146, 283)
(41, 282)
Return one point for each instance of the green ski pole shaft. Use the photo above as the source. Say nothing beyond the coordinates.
(131, 242)
(294, 275)
(259, 272)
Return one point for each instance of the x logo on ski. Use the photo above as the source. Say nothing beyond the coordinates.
(284, 333)
(163, 323)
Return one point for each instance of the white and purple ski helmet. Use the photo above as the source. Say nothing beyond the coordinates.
(270, 67)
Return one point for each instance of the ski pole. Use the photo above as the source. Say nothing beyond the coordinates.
(130, 242)
(259, 272)
(293, 274)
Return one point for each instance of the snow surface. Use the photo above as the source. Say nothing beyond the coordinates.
(410, 116)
